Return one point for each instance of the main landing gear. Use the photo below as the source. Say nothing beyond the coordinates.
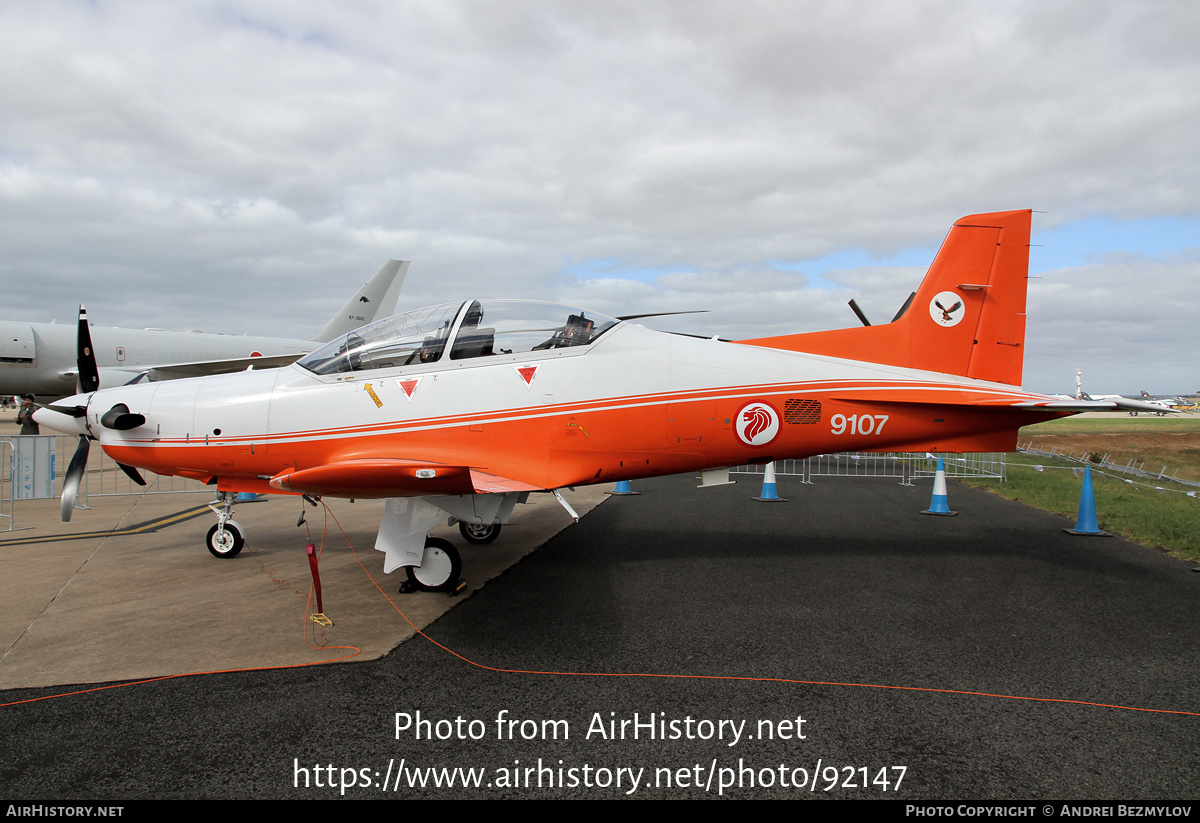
(479, 533)
(441, 564)
(226, 538)
(439, 571)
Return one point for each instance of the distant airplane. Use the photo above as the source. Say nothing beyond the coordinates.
(40, 358)
(1120, 402)
(464, 408)
(1167, 404)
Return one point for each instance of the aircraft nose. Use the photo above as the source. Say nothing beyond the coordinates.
(66, 415)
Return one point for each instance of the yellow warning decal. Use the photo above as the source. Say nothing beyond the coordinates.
(374, 396)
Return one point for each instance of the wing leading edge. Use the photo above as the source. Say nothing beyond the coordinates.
(395, 477)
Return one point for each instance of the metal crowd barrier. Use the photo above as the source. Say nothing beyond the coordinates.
(1133, 466)
(907, 466)
(37, 463)
(6, 486)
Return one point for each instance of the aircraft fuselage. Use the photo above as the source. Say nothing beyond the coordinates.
(39, 358)
(634, 403)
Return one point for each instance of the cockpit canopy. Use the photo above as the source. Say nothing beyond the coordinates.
(459, 331)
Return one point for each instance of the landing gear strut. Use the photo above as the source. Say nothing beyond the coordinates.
(226, 538)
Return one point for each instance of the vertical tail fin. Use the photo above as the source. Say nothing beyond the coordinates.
(968, 316)
(374, 301)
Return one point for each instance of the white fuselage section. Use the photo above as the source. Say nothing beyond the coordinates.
(548, 418)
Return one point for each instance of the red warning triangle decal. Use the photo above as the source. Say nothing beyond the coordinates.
(527, 373)
(408, 385)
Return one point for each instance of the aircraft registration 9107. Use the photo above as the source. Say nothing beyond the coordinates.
(465, 408)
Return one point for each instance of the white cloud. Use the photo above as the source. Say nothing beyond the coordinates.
(186, 164)
(1123, 321)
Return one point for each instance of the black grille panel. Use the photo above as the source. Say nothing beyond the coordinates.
(801, 411)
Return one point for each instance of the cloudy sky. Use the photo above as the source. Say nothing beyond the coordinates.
(245, 166)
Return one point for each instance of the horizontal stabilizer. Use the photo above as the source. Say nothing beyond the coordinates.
(1109, 404)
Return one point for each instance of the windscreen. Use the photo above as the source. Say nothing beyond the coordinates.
(413, 337)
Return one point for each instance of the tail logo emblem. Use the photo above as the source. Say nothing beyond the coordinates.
(756, 424)
(946, 309)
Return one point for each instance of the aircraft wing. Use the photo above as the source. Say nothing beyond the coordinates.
(200, 368)
(395, 477)
(197, 368)
(376, 299)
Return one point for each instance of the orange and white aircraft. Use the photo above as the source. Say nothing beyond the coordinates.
(465, 408)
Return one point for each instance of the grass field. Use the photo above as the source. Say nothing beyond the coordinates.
(1166, 518)
(1117, 423)
(1157, 442)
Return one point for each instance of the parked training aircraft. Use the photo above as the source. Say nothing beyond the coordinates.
(40, 358)
(466, 407)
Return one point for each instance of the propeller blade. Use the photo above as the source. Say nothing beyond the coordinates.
(73, 478)
(120, 418)
(85, 357)
(132, 473)
(69, 411)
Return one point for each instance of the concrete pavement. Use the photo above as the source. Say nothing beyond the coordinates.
(128, 590)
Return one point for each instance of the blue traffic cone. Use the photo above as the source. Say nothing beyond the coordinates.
(769, 493)
(1085, 521)
(940, 504)
(623, 487)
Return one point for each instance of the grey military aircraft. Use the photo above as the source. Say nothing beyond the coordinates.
(40, 358)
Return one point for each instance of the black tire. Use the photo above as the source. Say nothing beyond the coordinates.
(228, 543)
(478, 533)
(439, 569)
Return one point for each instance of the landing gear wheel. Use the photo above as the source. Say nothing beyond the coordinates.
(479, 533)
(439, 569)
(227, 542)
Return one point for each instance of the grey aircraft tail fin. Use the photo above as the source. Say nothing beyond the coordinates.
(374, 301)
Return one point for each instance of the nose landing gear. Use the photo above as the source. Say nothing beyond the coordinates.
(226, 538)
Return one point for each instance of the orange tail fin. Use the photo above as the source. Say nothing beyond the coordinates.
(968, 316)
